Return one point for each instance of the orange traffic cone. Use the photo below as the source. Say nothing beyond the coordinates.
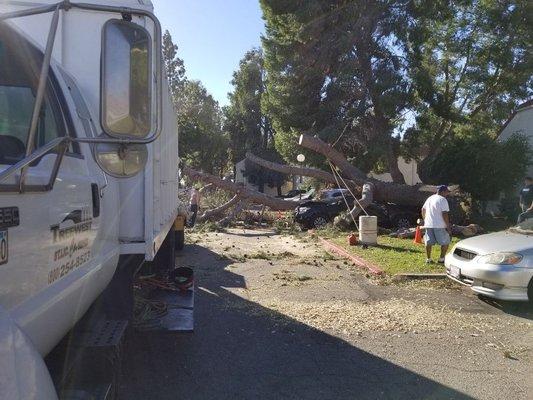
(418, 235)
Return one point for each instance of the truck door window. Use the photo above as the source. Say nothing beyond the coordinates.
(18, 85)
(126, 89)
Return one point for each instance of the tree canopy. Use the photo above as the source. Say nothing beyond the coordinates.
(390, 77)
(247, 126)
(471, 64)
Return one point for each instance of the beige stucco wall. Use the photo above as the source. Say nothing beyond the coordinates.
(521, 123)
(271, 191)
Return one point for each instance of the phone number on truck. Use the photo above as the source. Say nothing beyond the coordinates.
(69, 266)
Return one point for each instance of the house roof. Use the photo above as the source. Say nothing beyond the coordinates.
(522, 106)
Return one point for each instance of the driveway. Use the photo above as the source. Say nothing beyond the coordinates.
(277, 318)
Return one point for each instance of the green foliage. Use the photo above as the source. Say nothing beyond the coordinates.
(174, 66)
(481, 166)
(334, 67)
(202, 142)
(248, 128)
(372, 72)
(470, 63)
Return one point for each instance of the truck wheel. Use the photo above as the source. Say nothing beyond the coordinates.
(180, 239)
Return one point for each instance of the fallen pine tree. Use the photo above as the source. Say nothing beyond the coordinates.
(364, 188)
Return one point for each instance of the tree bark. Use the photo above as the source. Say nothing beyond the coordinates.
(252, 196)
(335, 156)
(392, 161)
(219, 210)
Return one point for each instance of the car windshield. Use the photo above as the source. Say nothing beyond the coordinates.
(525, 227)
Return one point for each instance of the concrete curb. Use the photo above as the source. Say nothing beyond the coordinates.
(358, 261)
(406, 277)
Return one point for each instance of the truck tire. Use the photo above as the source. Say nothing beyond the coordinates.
(180, 239)
(530, 291)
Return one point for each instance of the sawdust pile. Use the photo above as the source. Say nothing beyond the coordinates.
(396, 315)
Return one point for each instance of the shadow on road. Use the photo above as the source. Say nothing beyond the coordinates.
(241, 350)
(518, 309)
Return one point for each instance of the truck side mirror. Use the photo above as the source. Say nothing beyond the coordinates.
(126, 83)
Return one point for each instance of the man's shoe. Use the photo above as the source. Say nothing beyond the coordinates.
(429, 261)
(441, 260)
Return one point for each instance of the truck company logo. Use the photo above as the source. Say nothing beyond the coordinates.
(82, 220)
(73, 239)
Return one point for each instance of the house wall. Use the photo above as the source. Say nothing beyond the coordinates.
(271, 191)
(407, 168)
(521, 123)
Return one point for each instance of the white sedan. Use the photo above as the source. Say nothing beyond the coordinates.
(497, 265)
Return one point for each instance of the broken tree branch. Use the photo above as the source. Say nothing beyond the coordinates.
(291, 169)
(244, 193)
(219, 210)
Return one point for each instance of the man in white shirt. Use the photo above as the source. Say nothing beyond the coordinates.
(437, 223)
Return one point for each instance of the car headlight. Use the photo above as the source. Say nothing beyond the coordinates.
(301, 210)
(501, 258)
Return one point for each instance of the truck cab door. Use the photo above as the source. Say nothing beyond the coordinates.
(47, 234)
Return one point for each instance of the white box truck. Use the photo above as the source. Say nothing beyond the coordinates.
(88, 170)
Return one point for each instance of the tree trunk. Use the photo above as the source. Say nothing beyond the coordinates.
(392, 161)
(336, 157)
(245, 193)
(234, 214)
(384, 191)
(291, 170)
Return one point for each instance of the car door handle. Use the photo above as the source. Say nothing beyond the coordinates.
(96, 200)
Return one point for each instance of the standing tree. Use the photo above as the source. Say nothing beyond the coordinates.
(174, 67)
(247, 126)
(334, 66)
(202, 142)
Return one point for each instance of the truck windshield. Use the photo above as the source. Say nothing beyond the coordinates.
(18, 82)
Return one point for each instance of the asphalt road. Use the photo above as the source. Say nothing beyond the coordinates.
(243, 350)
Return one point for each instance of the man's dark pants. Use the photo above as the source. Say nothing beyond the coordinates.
(194, 210)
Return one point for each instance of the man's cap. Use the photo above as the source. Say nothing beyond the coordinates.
(442, 188)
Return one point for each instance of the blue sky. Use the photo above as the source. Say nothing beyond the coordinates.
(212, 36)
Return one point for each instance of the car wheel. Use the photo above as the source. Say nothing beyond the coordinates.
(530, 291)
(319, 222)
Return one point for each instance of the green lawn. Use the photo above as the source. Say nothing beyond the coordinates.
(393, 255)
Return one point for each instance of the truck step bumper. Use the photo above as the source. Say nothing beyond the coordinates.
(180, 309)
